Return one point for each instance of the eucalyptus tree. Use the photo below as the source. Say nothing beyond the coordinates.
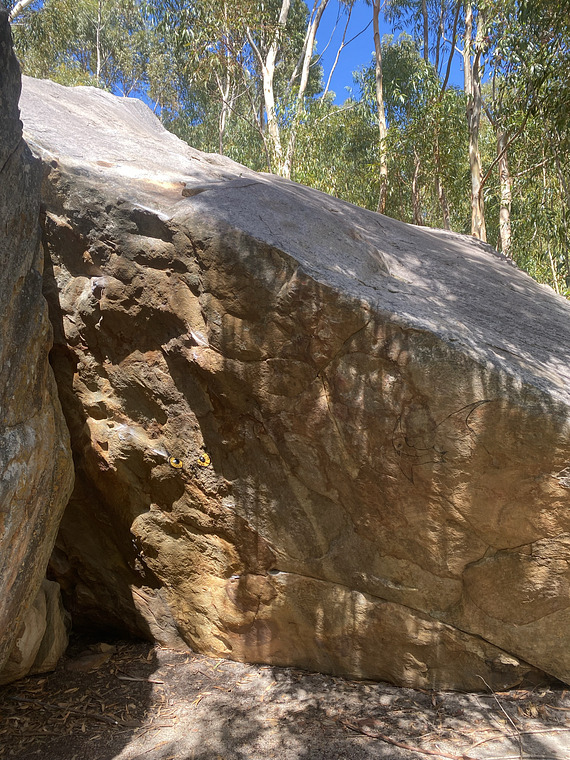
(474, 48)
(426, 139)
(533, 58)
(338, 150)
(439, 24)
(17, 9)
(416, 14)
(284, 120)
(257, 60)
(100, 42)
(267, 42)
(199, 73)
(379, 94)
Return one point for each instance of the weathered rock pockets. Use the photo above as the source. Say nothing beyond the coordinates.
(384, 408)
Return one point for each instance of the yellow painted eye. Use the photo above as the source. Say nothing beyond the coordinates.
(175, 462)
(204, 460)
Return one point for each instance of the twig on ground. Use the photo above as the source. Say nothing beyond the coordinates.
(527, 757)
(83, 714)
(519, 733)
(156, 746)
(506, 714)
(126, 677)
(383, 737)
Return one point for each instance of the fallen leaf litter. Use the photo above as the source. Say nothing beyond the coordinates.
(141, 702)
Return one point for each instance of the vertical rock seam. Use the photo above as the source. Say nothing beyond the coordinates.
(36, 470)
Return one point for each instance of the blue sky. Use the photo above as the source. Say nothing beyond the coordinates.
(356, 54)
(359, 52)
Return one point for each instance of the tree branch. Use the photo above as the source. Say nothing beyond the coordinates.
(531, 169)
(301, 57)
(254, 46)
(18, 8)
(338, 52)
(451, 51)
(509, 142)
(340, 110)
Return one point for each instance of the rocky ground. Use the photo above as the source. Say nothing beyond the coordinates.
(134, 701)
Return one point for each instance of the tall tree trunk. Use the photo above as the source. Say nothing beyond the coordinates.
(472, 75)
(225, 86)
(440, 189)
(553, 270)
(267, 66)
(426, 30)
(19, 8)
(98, 42)
(440, 34)
(416, 201)
(273, 132)
(382, 128)
(548, 247)
(506, 193)
(285, 169)
(225, 90)
(565, 198)
(443, 203)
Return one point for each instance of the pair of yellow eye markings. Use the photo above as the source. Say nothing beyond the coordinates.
(203, 461)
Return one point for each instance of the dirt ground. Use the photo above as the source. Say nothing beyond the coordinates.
(134, 701)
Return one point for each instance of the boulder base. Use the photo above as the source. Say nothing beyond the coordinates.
(42, 638)
(305, 434)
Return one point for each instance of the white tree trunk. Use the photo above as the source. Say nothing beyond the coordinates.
(285, 169)
(382, 127)
(425, 30)
(440, 189)
(416, 200)
(472, 76)
(506, 193)
(19, 8)
(98, 41)
(267, 66)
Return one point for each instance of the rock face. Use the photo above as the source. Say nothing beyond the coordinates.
(42, 637)
(305, 434)
(36, 472)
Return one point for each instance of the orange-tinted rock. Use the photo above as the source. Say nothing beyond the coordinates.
(42, 637)
(305, 434)
(36, 472)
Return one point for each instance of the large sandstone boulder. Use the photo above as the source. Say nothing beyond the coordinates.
(305, 434)
(36, 472)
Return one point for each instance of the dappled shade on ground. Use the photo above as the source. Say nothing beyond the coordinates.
(132, 701)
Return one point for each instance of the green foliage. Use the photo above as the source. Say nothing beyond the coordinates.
(427, 137)
(337, 151)
(530, 101)
(100, 42)
(196, 62)
(215, 98)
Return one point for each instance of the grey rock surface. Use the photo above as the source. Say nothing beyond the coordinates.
(36, 472)
(306, 434)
